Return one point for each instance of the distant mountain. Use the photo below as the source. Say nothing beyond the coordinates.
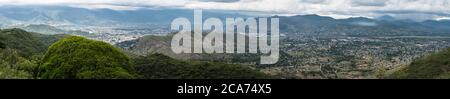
(51, 15)
(386, 18)
(42, 28)
(442, 24)
(360, 26)
(50, 30)
(98, 17)
(5, 21)
(309, 24)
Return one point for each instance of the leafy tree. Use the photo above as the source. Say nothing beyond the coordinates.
(6, 72)
(2, 45)
(12, 66)
(79, 58)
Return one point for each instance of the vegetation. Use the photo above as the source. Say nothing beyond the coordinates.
(2, 45)
(435, 66)
(26, 43)
(24, 55)
(12, 66)
(20, 52)
(158, 66)
(80, 58)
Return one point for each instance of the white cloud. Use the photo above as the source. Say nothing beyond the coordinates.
(335, 8)
(443, 18)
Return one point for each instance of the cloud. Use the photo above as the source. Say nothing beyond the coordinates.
(369, 2)
(312, 1)
(224, 1)
(443, 18)
(335, 8)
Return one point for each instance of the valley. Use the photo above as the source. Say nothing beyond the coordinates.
(311, 46)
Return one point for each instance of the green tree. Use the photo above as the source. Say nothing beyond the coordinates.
(2, 45)
(26, 43)
(6, 72)
(12, 66)
(79, 58)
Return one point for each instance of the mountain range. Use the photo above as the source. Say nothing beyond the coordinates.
(51, 19)
(313, 24)
(361, 26)
(79, 16)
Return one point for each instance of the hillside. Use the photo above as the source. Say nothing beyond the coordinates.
(41, 28)
(26, 43)
(360, 26)
(158, 66)
(20, 52)
(155, 60)
(70, 57)
(434, 66)
(161, 44)
(13, 66)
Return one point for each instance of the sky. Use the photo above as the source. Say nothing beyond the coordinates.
(402, 9)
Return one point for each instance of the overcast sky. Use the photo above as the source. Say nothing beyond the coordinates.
(413, 9)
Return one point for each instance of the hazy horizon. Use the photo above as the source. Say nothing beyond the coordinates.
(417, 10)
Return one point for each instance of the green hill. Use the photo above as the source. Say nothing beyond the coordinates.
(26, 43)
(159, 66)
(161, 44)
(79, 58)
(20, 52)
(434, 66)
(28, 55)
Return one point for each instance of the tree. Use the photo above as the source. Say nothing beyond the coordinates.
(79, 58)
(12, 66)
(2, 45)
(6, 72)
(24, 42)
